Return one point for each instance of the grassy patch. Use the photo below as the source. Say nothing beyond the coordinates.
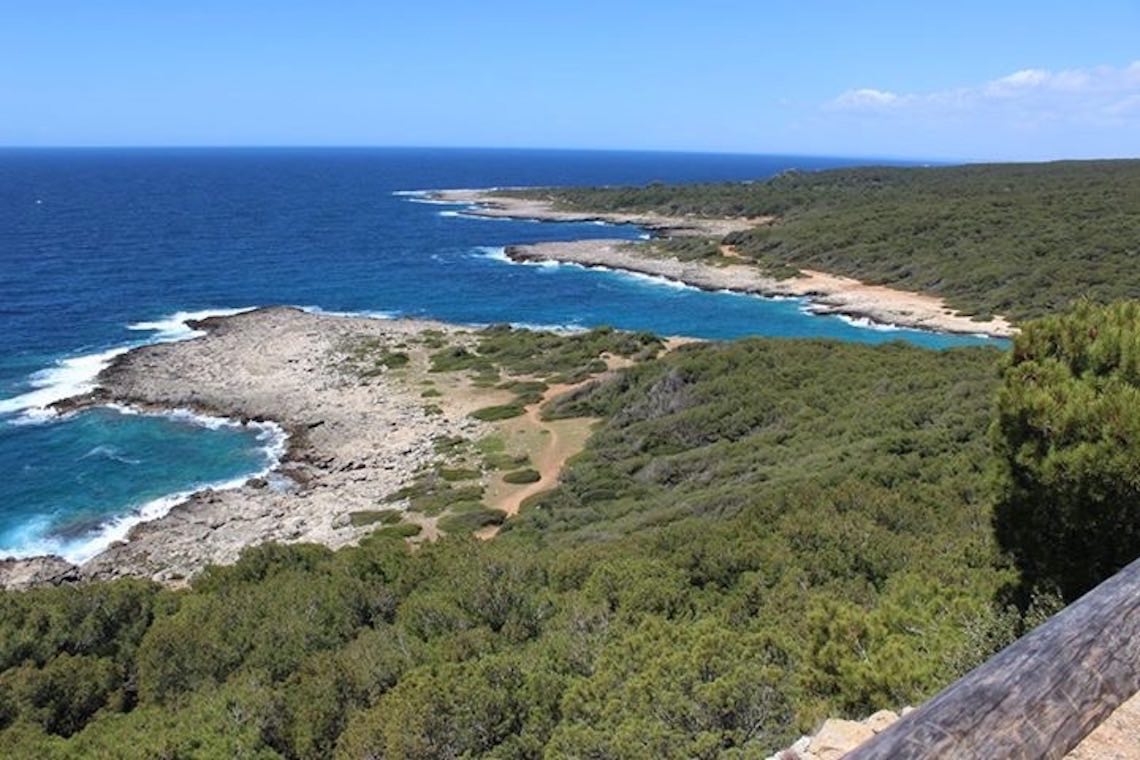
(469, 522)
(500, 412)
(449, 444)
(502, 348)
(454, 474)
(400, 531)
(373, 516)
(431, 495)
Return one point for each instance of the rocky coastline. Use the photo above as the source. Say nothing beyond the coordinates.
(825, 293)
(352, 441)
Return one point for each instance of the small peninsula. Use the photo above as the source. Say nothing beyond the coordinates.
(392, 425)
(826, 293)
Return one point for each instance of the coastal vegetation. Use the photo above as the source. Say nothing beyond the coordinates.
(1066, 433)
(1021, 240)
(739, 552)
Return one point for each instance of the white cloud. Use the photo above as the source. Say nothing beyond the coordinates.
(1089, 95)
(866, 98)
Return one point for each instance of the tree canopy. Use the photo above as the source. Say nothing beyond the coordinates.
(1067, 438)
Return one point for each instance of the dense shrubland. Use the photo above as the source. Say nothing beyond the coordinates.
(1023, 240)
(760, 534)
(1067, 437)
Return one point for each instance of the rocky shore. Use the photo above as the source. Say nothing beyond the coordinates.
(826, 293)
(352, 441)
(489, 203)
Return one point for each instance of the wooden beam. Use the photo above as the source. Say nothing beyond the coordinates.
(1038, 697)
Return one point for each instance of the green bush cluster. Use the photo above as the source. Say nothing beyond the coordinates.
(739, 552)
(518, 477)
(1067, 439)
(560, 358)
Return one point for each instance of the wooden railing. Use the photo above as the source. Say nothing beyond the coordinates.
(1038, 697)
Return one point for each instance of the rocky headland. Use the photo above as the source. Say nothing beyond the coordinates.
(353, 440)
(825, 293)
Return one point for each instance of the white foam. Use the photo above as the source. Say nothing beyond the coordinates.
(647, 279)
(105, 451)
(426, 196)
(76, 375)
(863, 323)
(30, 537)
(472, 212)
(494, 253)
(386, 315)
(69, 377)
(563, 329)
(173, 327)
(654, 279)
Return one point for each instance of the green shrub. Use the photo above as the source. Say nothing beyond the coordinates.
(518, 477)
(453, 474)
(467, 522)
(402, 530)
(373, 516)
(501, 412)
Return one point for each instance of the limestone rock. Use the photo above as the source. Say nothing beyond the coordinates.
(881, 721)
(18, 574)
(837, 738)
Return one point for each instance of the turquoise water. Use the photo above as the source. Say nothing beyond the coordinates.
(104, 249)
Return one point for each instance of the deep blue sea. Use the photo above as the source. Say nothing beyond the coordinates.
(101, 250)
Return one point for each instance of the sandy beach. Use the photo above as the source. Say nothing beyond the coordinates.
(826, 293)
(352, 441)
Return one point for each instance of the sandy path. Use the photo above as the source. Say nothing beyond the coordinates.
(565, 438)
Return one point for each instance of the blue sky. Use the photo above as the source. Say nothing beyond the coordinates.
(966, 80)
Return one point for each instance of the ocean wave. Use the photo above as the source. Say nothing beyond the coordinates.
(494, 253)
(106, 451)
(173, 328)
(76, 375)
(654, 280)
(69, 377)
(35, 536)
(863, 323)
(427, 200)
(563, 329)
(360, 314)
(472, 212)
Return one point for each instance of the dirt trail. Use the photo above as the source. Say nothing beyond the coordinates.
(562, 442)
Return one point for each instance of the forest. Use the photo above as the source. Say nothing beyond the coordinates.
(1019, 240)
(739, 552)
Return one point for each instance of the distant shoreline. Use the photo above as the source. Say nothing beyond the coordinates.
(826, 293)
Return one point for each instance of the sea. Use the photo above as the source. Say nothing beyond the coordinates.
(102, 250)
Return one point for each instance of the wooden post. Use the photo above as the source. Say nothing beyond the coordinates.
(1038, 697)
